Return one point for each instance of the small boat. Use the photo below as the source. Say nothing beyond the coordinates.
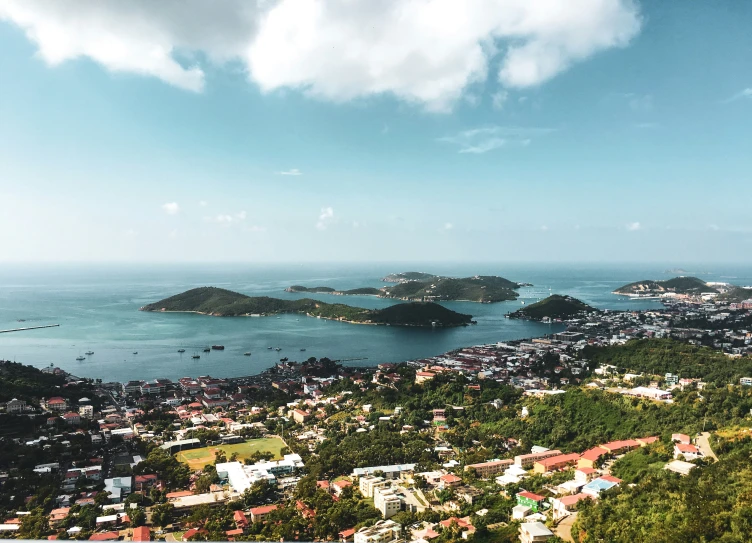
(207, 350)
(270, 348)
(80, 357)
(301, 350)
(89, 353)
(218, 347)
(195, 356)
(181, 350)
(135, 352)
(278, 349)
(247, 354)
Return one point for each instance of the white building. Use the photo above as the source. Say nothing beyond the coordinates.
(386, 501)
(534, 532)
(241, 477)
(384, 531)
(368, 484)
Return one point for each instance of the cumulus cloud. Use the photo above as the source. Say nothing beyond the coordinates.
(227, 219)
(171, 208)
(203, 203)
(634, 226)
(325, 218)
(293, 171)
(481, 140)
(423, 51)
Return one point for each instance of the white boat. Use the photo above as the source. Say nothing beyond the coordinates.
(80, 357)
(89, 353)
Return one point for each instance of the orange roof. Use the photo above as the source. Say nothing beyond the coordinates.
(179, 494)
(236, 531)
(586, 471)
(647, 440)
(347, 533)
(106, 536)
(531, 496)
(685, 448)
(450, 478)
(461, 522)
(344, 483)
(142, 533)
(559, 460)
(594, 453)
(610, 479)
(263, 510)
(619, 445)
(571, 500)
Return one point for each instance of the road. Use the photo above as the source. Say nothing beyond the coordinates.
(564, 528)
(703, 443)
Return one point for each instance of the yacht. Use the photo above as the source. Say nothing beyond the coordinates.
(181, 350)
(247, 354)
(135, 352)
(196, 356)
(207, 350)
(270, 348)
(89, 353)
(79, 357)
(278, 349)
(303, 349)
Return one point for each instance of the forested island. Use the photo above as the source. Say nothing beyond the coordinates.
(220, 302)
(555, 306)
(419, 286)
(677, 285)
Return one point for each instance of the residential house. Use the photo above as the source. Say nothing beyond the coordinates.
(533, 501)
(259, 514)
(534, 532)
(688, 451)
(15, 406)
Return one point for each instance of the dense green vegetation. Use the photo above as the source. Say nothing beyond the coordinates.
(225, 303)
(481, 288)
(300, 288)
(735, 294)
(362, 291)
(680, 285)
(555, 306)
(661, 356)
(712, 503)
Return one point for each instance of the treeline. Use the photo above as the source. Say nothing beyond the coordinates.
(661, 356)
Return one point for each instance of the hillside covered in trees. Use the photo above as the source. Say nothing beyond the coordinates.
(226, 303)
(679, 285)
(555, 306)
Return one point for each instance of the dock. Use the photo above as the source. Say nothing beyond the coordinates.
(29, 328)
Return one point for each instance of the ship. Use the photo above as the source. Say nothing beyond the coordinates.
(218, 347)
(247, 354)
(89, 353)
(207, 350)
(195, 356)
(80, 357)
(181, 350)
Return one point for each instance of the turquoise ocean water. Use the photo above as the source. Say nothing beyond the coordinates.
(97, 309)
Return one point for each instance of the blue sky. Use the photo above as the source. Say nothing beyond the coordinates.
(590, 130)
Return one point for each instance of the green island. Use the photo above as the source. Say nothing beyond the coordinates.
(219, 302)
(555, 306)
(419, 286)
(677, 285)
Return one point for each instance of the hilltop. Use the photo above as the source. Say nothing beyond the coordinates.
(678, 285)
(219, 302)
(555, 306)
(419, 286)
(480, 288)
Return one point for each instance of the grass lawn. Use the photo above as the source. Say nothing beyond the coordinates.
(198, 458)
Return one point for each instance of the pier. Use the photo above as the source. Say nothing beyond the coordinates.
(29, 328)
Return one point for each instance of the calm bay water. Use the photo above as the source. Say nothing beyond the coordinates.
(97, 309)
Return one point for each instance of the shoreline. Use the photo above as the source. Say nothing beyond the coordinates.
(309, 315)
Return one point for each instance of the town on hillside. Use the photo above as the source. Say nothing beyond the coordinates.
(512, 441)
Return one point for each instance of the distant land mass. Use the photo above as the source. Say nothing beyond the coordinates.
(555, 306)
(364, 291)
(220, 302)
(420, 286)
(735, 294)
(678, 285)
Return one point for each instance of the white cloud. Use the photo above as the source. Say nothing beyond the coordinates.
(256, 229)
(544, 228)
(448, 226)
(482, 140)
(227, 219)
(498, 99)
(325, 218)
(744, 93)
(422, 51)
(171, 208)
(634, 226)
(293, 171)
(203, 203)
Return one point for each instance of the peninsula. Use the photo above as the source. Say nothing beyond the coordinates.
(219, 302)
(419, 286)
(677, 285)
(553, 307)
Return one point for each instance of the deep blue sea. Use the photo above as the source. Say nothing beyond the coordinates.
(97, 309)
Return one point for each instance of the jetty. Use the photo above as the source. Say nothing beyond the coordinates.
(29, 328)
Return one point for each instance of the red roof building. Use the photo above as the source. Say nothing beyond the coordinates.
(105, 536)
(142, 533)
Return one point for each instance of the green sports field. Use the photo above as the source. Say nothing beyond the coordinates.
(198, 458)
